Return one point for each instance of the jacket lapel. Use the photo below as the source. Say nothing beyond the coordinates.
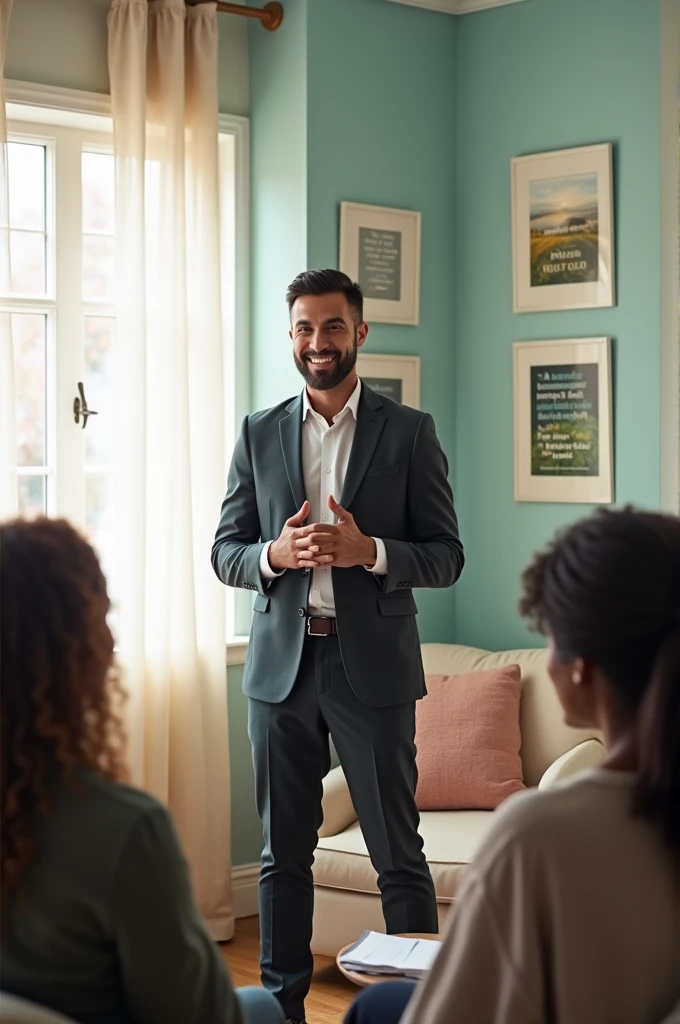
(370, 423)
(290, 433)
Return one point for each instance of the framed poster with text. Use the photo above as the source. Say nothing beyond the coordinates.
(563, 230)
(396, 377)
(380, 248)
(563, 421)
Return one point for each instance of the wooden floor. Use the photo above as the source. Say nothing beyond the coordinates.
(330, 994)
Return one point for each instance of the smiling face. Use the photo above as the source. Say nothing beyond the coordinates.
(325, 339)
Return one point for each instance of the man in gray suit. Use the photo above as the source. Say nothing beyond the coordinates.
(337, 506)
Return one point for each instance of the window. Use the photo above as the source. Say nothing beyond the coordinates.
(62, 310)
(62, 215)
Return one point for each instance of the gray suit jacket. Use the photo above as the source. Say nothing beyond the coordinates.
(396, 488)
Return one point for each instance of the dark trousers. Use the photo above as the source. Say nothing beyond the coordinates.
(381, 1004)
(291, 755)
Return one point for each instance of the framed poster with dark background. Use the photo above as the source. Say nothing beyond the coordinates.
(380, 248)
(395, 377)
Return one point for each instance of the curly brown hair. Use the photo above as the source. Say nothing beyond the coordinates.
(60, 697)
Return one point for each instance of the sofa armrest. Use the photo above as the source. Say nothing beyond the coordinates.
(585, 755)
(337, 806)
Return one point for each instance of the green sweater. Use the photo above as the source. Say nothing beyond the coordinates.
(107, 931)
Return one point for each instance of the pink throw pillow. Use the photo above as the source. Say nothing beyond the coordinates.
(468, 740)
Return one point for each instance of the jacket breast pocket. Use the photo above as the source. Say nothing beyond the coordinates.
(402, 605)
(392, 470)
(261, 603)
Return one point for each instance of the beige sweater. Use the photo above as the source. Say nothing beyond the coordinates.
(570, 914)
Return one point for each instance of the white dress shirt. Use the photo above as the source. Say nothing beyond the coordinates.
(325, 457)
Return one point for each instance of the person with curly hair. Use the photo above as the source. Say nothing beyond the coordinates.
(570, 911)
(98, 920)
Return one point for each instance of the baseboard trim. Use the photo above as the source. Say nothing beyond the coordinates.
(244, 879)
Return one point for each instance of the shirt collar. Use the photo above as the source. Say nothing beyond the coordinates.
(352, 404)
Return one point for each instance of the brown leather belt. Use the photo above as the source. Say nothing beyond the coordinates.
(321, 627)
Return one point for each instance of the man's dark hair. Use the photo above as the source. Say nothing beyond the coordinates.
(323, 282)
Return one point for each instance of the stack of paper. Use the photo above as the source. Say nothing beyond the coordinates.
(391, 954)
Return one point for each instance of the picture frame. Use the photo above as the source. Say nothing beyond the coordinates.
(396, 377)
(380, 248)
(563, 229)
(563, 428)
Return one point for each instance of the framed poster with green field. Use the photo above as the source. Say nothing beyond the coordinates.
(563, 421)
(563, 230)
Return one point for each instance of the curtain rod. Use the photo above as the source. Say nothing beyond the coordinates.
(270, 16)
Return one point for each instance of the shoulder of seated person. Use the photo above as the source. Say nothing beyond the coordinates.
(116, 797)
(532, 818)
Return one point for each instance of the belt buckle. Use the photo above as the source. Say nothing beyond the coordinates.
(309, 627)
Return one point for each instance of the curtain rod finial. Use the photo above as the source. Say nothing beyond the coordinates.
(274, 15)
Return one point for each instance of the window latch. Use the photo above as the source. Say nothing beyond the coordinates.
(80, 408)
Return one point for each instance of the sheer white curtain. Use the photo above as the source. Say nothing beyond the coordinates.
(8, 445)
(171, 624)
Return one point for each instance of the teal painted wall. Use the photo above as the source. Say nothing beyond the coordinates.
(385, 136)
(354, 100)
(537, 76)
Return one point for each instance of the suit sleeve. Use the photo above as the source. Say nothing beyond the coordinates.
(433, 556)
(171, 970)
(237, 546)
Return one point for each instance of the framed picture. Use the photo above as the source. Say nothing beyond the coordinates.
(380, 248)
(563, 421)
(397, 377)
(563, 229)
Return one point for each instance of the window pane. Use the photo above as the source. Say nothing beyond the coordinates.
(31, 496)
(100, 522)
(26, 163)
(27, 261)
(100, 369)
(98, 192)
(98, 267)
(28, 339)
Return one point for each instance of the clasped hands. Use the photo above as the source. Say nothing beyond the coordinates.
(320, 545)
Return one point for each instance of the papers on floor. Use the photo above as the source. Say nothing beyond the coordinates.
(391, 954)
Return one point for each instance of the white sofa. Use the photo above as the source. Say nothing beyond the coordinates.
(346, 894)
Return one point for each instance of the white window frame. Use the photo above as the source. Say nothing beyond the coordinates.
(29, 103)
(64, 456)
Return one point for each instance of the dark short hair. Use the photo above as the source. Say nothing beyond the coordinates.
(608, 589)
(324, 282)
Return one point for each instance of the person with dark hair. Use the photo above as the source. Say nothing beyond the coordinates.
(98, 920)
(338, 505)
(571, 909)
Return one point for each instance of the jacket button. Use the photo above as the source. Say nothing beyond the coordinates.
(301, 612)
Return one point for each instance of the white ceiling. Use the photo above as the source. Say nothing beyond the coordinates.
(456, 6)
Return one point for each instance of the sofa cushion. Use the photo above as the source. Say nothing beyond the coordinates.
(545, 737)
(468, 740)
(451, 839)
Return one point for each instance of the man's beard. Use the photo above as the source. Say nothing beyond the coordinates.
(338, 370)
